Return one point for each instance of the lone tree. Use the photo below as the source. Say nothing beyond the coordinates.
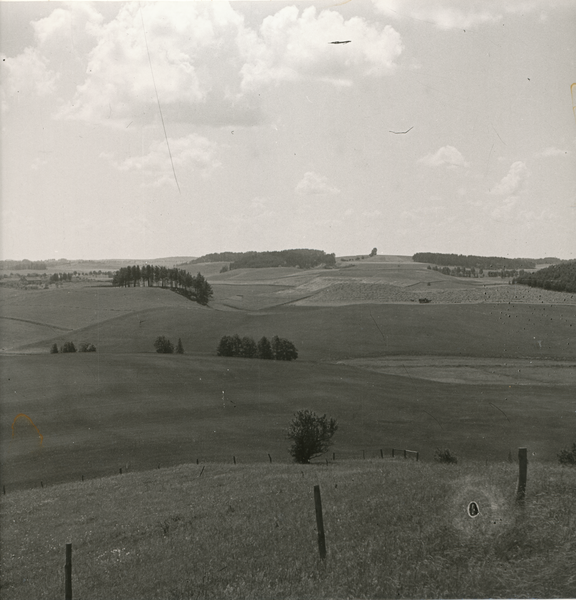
(54, 348)
(311, 435)
(374, 252)
(179, 347)
(163, 345)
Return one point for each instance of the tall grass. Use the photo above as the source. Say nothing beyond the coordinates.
(393, 529)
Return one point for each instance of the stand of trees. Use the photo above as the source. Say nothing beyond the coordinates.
(302, 258)
(558, 278)
(178, 280)
(478, 262)
(246, 347)
(23, 265)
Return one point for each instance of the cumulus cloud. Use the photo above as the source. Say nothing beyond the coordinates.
(314, 184)
(513, 182)
(28, 73)
(192, 152)
(447, 156)
(290, 46)
(463, 14)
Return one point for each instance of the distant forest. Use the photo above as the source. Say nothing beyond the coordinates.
(22, 265)
(478, 262)
(303, 258)
(178, 280)
(559, 278)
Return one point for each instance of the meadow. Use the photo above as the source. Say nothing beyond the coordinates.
(393, 530)
(480, 378)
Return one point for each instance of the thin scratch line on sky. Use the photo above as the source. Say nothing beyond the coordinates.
(158, 98)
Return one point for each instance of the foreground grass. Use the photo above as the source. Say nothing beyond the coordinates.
(393, 529)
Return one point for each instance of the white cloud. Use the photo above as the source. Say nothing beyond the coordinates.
(28, 73)
(463, 14)
(192, 152)
(446, 156)
(291, 46)
(314, 184)
(551, 151)
(513, 182)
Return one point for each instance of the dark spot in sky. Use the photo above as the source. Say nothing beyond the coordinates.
(341, 42)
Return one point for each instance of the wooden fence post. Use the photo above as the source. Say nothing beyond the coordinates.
(363, 454)
(522, 473)
(381, 453)
(270, 457)
(417, 456)
(320, 522)
(404, 453)
(234, 459)
(68, 573)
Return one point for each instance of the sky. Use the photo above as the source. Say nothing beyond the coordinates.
(151, 129)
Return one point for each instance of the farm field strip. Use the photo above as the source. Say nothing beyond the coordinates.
(474, 371)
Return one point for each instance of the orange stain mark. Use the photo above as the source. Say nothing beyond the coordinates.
(573, 101)
(32, 422)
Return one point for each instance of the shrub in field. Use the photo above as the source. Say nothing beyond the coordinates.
(445, 456)
(68, 347)
(163, 345)
(311, 435)
(87, 347)
(54, 348)
(179, 347)
(567, 457)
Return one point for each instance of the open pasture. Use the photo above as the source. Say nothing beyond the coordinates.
(393, 530)
(101, 412)
(543, 332)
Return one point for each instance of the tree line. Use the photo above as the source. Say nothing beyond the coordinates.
(301, 258)
(23, 265)
(275, 349)
(178, 280)
(558, 278)
(478, 262)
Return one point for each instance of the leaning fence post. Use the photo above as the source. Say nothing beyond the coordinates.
(270, 457)
(522, 472)
(320, 522)
(68, 573)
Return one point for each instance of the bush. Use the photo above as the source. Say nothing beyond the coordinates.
(68, 347)
(54, 348)
(163, 345)
(311, 435)
(567, 457)
(445, 456)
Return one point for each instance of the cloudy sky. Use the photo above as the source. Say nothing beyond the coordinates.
(141, 130)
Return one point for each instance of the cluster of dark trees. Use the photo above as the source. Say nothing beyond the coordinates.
(58, 277)
(178, 280)
(301, 258)
(70, 347)
(478, 262)
(475, 273)
(22, 265)
(245, 347)
(559, 278)
(164, 346)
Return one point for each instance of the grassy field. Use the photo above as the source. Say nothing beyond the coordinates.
(98, 413)
(482, 379)
(393, 530)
